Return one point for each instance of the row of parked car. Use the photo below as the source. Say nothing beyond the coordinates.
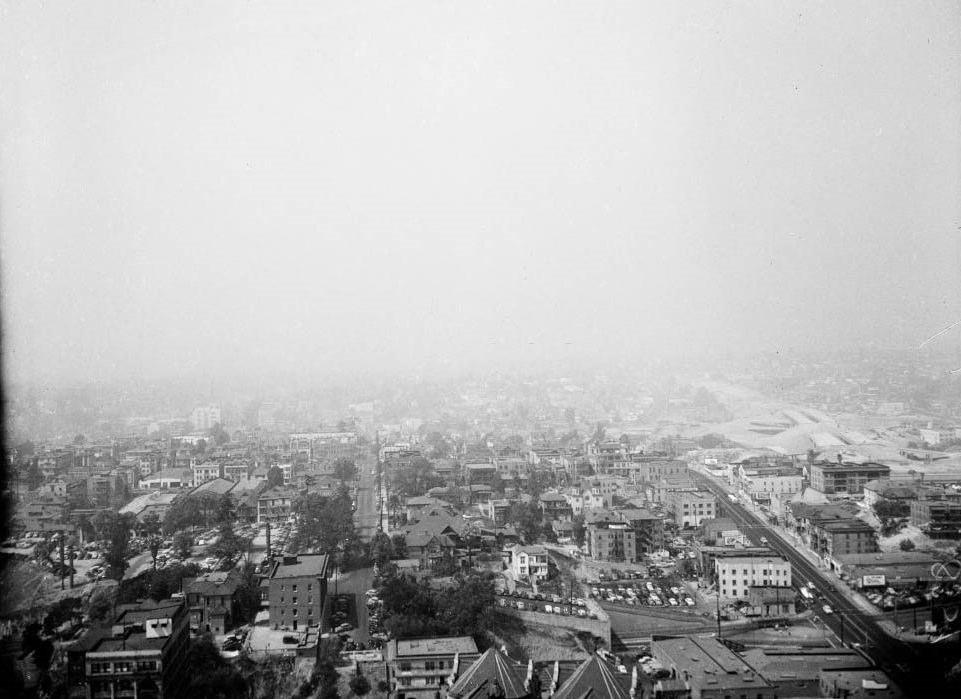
(537, 606)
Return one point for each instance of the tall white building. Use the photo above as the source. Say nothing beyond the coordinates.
(205, 417)
(736, 575)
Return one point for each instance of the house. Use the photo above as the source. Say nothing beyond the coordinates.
(416, 505)
(211, 601)
(480, 474)
(555, 507)
(141, 655)
(156, 503)
(529, 562)
(429, 549)
(297, 590)
(419, 667)
(274, 505)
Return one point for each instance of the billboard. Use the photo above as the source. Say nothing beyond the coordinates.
(873, 581)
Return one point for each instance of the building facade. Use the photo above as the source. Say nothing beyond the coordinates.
(297, 591)
(737, 575)
(142, 656)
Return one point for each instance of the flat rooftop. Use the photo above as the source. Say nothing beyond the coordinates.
(440, 645)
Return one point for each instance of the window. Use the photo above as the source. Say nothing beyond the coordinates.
(405, 667)
(294, 600)
(294, 588)
(281, 587)
(309, 587)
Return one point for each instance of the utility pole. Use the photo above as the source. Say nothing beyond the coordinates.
(841, 614)
(718, 615)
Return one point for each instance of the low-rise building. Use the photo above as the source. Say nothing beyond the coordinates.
(297, 590)
(937, 513)
(156, 503)
(529, 562)
(206, 471)
(738, 574)
(609, 538)
(711, 669)
(211, 601)
(418, 668)
(274, 505)
(141, 656)
(833, 478)
(690, 509)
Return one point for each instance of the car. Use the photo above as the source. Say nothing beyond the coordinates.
(827, 609)
(343, 628)
(291, 639)
(763, 539)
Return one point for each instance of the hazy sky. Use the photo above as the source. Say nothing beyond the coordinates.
(234, 187)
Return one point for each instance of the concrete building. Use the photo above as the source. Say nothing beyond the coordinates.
(141, 656)
(690, 509)
(937, 512)
(206, 416)
(760, 482)
(831, 538)
(610, 539)
(845, 478)
(297, 591)
(736, 575)
(418, 668)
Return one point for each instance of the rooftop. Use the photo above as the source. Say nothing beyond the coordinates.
(436, 645)
(708, 663)
(312, 565)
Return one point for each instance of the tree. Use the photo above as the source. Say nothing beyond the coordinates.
(209, 675)
(226, 515)
(578, 531)
(34, 477)
(219, 434)
(149, 525)
(183, 544)
(345, 470)
(380, 550)
(359, 685)
(399, 545)
(115, 557)
(906, 545)
(275, 477)
(100, 606)
(154, 549)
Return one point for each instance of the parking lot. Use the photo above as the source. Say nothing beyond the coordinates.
(652, 592)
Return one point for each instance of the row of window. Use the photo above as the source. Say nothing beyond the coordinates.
(428, 665)
(293, 587)
(102, 668)
(293, 600)
(283, 612)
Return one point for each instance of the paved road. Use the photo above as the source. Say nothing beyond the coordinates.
(366, 517)
(906, 665)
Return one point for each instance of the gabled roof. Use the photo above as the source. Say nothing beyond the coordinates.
(491, 667)
(595, 678)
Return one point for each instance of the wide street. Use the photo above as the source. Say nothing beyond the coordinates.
(905, 662)
(366, 515)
